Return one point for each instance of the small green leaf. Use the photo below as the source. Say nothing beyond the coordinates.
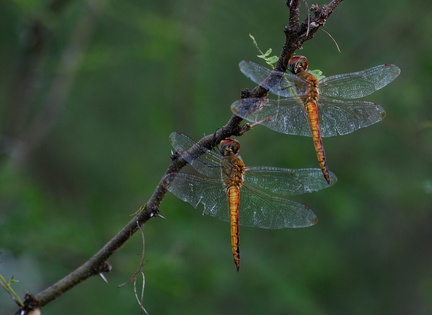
(268, 52)
(272, 60)
(265, 56)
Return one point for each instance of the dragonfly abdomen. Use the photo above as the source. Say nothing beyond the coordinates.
(233, 196)
(233, 170)
(313, 118)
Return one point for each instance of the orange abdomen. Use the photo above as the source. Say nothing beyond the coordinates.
(233, 195)
(312, 113)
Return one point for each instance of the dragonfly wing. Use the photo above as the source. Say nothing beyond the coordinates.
(258, 209)
(286, 115)
(286, 182)
(342, 117)
(197, 190)
(205, 161)
(279, 83)
(358, 84)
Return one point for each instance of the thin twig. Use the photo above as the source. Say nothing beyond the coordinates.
(8, 288)
(141, 297)
(139, 269)
(332, 38)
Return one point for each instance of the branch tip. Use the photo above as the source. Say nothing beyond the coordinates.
(158, 215)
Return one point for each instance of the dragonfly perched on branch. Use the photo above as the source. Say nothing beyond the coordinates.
(250, 196)
(312, 106)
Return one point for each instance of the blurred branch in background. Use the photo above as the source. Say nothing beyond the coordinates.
(23, 129)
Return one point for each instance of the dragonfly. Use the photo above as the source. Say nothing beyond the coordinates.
(252, 196)
(312, 106)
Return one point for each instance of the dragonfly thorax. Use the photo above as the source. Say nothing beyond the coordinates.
(308, 88)
(232, 171)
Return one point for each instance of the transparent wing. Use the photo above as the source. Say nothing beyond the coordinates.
(284, 181)
(197, 190)
(279, 83)
(284, 115)
(343, 117)
(358, 84)
(258, 209)
(287, 116)
(205, 161)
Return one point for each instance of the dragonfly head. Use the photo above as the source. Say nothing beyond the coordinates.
(229, 147)
(298, 64)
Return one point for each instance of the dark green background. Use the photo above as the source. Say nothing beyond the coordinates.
(152, 67)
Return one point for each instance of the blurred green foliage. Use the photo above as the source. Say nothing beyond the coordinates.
(153, 67)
